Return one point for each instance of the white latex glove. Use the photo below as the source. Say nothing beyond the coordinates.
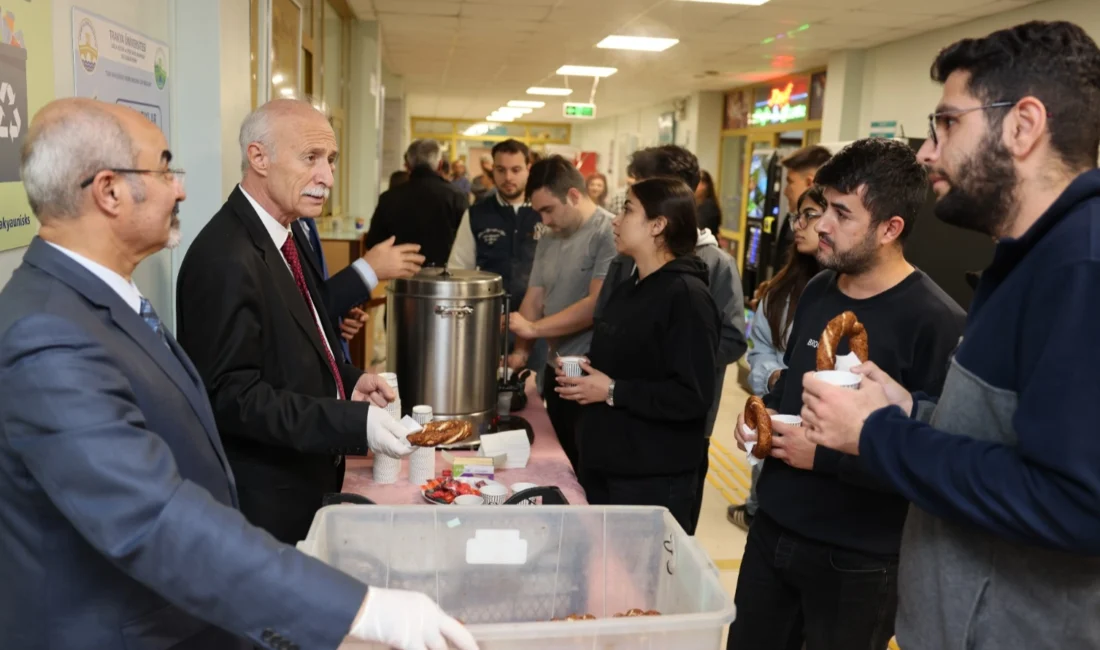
(386, 435)
(407, 620)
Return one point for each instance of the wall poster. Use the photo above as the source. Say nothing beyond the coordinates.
(118, 65)
(26, 85)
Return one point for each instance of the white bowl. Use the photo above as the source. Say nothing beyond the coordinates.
(839, 378)
(469, 500)
(493, 494)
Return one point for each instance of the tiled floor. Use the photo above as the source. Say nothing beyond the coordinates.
(727, 482)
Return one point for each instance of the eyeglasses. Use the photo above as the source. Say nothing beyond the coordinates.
(170, 175)
(937, 121)
(803, 218)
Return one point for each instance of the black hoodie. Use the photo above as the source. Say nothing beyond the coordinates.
(658, 339)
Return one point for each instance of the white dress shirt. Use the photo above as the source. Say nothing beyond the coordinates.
(279, 234)
(126, 289)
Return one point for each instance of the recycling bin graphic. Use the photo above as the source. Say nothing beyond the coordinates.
(14, 119)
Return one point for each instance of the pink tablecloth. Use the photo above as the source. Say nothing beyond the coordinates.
(547, 466)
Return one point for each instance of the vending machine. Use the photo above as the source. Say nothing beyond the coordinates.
(765, 192)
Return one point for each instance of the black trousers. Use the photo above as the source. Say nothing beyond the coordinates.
(792, 591)
(677, 492)
(563, 416)
(700, 484)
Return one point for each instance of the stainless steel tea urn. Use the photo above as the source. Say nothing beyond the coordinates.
(444, 341)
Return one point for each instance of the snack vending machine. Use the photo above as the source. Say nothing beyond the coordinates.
(762, 211)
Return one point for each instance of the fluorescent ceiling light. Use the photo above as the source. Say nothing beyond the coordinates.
(508, 110)
(752, 3)
(500, 118)
(286, 92)
(525, 103)
(639, 43)
(557, 92)
(278, 78)
(586, 71)
(481, 128)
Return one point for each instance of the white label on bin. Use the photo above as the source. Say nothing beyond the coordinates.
(496, 547)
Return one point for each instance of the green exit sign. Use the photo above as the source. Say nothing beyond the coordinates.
(579, 111)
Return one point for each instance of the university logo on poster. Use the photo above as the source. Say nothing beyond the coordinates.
(114, 63)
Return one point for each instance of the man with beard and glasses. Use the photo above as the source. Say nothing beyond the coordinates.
(820, 562)
(1002, 543)
(251, 313)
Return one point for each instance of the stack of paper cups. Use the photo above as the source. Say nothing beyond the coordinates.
(394, 407)
(422, 460)
(386, 469)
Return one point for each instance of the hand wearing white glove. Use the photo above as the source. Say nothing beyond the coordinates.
(406, 620)
(386, 435)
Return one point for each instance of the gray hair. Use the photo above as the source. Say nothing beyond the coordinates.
(423, 153)
(259, 127)
(61, 153)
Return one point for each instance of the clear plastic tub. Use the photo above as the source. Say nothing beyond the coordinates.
(507, 571)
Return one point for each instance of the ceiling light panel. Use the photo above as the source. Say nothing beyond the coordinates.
(586, 71)
(637, 43)
(555, 92)
(751, 3)
(525, 103)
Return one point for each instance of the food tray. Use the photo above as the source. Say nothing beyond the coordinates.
(506, 572)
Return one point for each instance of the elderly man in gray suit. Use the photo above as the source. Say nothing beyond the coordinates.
(119, 519)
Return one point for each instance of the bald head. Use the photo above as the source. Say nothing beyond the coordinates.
(267, 124)
(70, 140)
(288, 158)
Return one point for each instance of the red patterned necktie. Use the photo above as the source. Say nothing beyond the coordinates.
(290, 252)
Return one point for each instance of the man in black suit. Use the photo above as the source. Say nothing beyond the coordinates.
(120, 527)
(426, 210)
(251, 309)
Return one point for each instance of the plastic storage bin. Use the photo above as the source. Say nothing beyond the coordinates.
(506, 572)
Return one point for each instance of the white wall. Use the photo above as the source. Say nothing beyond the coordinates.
(214, 154)
(896, 85)
(697, 129)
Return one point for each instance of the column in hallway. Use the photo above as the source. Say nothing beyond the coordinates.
(840, 120)
(364, 118)
(210, 98)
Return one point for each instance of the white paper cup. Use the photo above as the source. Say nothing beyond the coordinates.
(520, 487)
(394, 409)
(788, 419)
(422, 414)
(839, 378)
(421, 465)
(494, 495)
(469, 500)
(572, 366)
(391, 379)
(386, 469)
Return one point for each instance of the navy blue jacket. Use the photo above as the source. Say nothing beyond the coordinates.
(120, 528)
(506, 241)
(1012, 447)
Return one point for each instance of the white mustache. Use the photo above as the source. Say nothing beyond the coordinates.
(317, 192)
